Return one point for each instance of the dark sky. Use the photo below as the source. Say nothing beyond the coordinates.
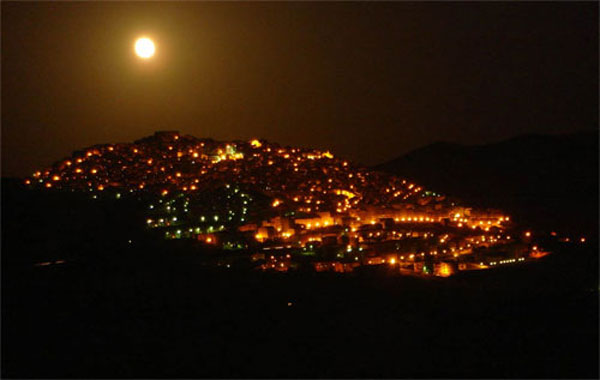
(369, 81)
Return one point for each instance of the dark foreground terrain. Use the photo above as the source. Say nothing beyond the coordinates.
(146, 309)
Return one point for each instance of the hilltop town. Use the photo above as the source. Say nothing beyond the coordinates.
(291, 208)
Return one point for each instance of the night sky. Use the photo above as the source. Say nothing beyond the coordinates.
(369, 81)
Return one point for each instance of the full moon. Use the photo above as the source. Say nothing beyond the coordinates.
(144, 48)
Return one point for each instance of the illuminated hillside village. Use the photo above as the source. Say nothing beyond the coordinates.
(286, 208)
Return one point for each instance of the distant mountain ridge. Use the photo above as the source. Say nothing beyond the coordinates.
(546, 180)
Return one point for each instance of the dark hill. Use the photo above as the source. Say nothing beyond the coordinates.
(547, 181)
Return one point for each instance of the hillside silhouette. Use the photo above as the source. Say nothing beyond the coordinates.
(546, 181)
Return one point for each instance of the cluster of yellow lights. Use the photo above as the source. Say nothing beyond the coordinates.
(345, 193)
(507, 261)
(415, 219)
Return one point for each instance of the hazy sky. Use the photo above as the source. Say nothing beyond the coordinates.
(369, 81)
